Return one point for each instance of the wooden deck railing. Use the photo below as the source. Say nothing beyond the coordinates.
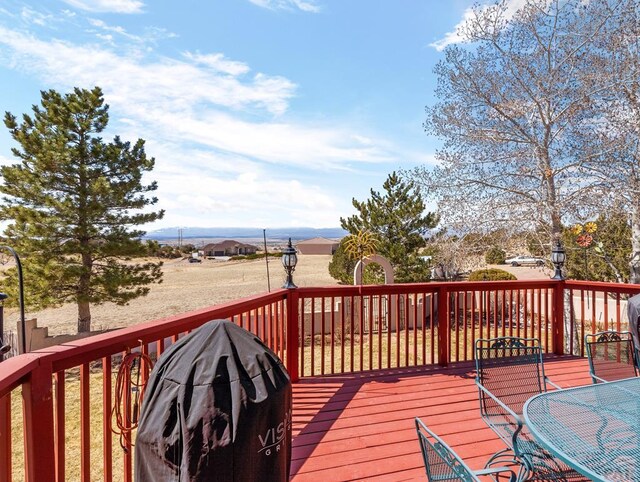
(64, 421)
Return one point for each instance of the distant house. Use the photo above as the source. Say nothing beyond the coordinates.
(229, 247)
(317, 246)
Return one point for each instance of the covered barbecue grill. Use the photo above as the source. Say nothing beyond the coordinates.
(217, 407)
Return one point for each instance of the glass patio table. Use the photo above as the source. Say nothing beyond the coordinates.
(594, 429)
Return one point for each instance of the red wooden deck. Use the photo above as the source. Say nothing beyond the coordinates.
(360, 426)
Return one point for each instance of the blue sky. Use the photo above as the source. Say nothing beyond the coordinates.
(260, 113)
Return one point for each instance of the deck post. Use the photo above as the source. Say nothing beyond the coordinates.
(558, 318)
(443, 326)
(293, 334)
(37, 398)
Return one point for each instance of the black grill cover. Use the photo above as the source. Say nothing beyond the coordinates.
(633, 310)
(217, 407)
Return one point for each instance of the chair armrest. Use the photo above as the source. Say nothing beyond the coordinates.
(554, 385)
(510, 412)
(595, 377)
(497, 470)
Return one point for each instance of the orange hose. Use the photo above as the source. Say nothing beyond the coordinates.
(126, 417)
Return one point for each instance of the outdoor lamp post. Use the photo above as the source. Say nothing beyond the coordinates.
(23, 329)
(289, 261)
(4, 347)
(558, 256)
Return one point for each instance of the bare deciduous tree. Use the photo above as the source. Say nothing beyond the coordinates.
(615, 144)
(515, 105)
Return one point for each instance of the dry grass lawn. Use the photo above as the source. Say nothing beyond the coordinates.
(189, 286)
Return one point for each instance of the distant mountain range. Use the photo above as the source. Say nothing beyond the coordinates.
(232, 233)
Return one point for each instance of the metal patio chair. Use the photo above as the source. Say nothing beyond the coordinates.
(611, 356)
(509, 371)
(443, 464)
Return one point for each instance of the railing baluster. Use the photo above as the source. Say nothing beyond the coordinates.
(361, 337)
(539, 303)
(160, 347)
(127, 457)
(370, 336)
(263, 326)
(352, 330)
(518, 304)
(85, 424)
(454, 323)
(495, 313)
(605, 302)
(503, 300)
(389, 317)
(380, 326)
(397, 312)
(284, 329)
(343, 319)
(573, 317)
(5, 438)
(405, 320)
(618, 317)
(526, 312)
(473, 324)
(60, 432)
(593, 312)
(546, 319)
(432, 300)
(444, 328)
(333, 334)
(322, 334)
(415, 329)
(107, 445)
(312, 335)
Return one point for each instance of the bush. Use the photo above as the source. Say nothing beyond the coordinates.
(493, 274)
(495, 255)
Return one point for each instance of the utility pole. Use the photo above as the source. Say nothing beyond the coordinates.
(266, 259)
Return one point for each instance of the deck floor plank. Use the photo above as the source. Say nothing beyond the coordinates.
(361, 426)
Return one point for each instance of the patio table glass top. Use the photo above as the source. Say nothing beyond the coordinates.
(595, 429)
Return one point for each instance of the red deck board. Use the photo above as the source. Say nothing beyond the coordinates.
(360, 426)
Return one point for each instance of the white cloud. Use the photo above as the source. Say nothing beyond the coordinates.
(305, 6)
(172, 84)
(456, 36)
(32, 16)
(114, 6)
(151, 35)
(5, 161)
(219, 63)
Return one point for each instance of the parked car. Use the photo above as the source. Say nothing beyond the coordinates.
(195, 260)
(522, 260)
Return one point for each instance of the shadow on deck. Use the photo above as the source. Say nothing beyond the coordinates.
(360, 426)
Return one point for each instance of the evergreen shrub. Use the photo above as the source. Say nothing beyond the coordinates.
(492, 274)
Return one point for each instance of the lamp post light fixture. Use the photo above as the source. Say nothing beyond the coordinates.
(558, 257)
(289, 261)
(23, 328)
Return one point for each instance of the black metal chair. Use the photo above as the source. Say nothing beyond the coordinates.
(443, 464)
(509, 371)
(611, 356)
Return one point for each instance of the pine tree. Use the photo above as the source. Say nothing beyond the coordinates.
(73, 202)
(398, 221)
